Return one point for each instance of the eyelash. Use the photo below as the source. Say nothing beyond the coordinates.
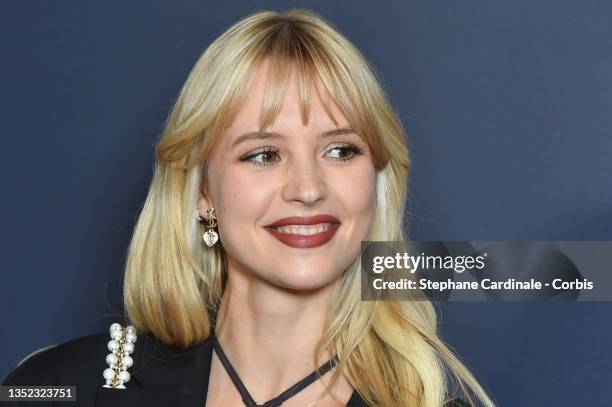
(347, 148)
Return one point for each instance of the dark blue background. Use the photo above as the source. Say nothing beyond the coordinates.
(508, 107)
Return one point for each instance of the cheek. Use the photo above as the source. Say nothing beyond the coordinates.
(356, 189)
(241, 199)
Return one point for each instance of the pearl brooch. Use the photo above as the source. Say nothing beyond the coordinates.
(119, 360)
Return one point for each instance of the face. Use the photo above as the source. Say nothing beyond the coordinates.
(293, 202)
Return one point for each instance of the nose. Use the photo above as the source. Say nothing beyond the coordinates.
(304, 182)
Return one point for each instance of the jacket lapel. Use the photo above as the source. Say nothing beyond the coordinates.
(163, 376)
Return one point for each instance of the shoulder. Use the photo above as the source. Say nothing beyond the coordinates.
(61, 363)
(79, 362)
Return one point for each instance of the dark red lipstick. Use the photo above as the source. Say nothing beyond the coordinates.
(304, 232)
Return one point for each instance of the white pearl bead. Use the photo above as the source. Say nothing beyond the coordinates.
(116, 335)
(115, 327)
(124, 376)
(128, 347)
(126, 362)
(111, 358)
(113, 345)
(109, 374)
(130, 328)
(130, 337)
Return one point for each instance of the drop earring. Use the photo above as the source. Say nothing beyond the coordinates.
(210, 237)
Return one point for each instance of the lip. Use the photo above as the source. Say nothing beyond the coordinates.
(304, 241)
(304, 220)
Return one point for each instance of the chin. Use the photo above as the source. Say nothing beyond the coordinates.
(306, 279)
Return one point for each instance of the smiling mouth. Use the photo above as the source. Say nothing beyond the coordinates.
(304, 230)
(304, 236)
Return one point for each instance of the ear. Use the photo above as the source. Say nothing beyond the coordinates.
(204, 202)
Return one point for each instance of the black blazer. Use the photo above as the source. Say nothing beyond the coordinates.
(160, 375)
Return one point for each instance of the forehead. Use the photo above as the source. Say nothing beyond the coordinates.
(277, 102)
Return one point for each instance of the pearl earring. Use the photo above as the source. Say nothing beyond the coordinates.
(210, 237)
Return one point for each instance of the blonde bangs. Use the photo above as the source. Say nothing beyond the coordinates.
(287, 49)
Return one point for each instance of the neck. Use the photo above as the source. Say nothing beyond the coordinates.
(270, 333)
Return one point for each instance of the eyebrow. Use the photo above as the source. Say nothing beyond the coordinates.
(263, 135)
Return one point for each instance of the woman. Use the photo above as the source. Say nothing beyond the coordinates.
(280, 156)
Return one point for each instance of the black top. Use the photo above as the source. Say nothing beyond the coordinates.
(160, 375)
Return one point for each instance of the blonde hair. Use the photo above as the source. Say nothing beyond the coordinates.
(389, 350)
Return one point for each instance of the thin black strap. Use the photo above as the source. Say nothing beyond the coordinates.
(278, 400)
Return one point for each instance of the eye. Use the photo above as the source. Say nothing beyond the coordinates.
(261, 158)
(269, 156)
(344, 152)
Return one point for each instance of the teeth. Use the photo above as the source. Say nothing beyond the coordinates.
(304, 229)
